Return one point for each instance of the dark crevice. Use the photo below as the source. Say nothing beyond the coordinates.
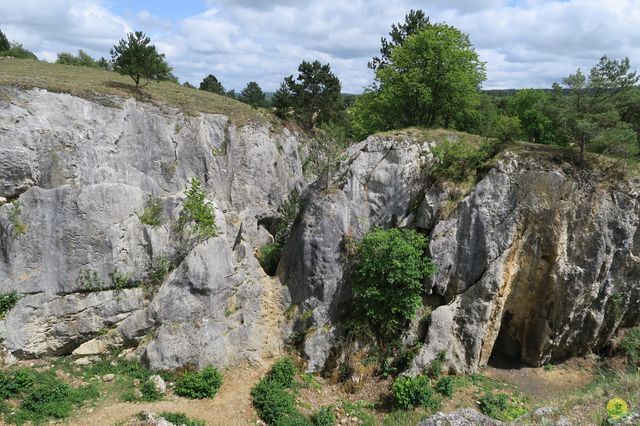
(506, 353)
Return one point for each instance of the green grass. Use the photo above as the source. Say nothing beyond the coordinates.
(593, 398)
(93, 84)
(39, 395)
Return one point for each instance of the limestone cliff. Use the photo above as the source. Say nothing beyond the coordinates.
(82, 172)
(537, 260)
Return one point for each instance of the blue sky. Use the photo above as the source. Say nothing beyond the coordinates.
(526, 43)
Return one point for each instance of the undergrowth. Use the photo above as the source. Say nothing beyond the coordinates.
(198, 385)
(36, 396)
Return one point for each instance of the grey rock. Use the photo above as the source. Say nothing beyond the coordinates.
(537, 262)
(82, 172)
(210, 313)
(108, 377)
(159, 383)
(461, 417)
(48, 324)
(18, 171)
(374, 186)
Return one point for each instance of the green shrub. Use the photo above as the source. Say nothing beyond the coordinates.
(388, 278)
(181, 419)
(293, 419)
(630, 346)
(89, 280)
(445, 386)
(283, 372)
(15, 213)
(507, 128)
(150, 392)
(81, 60)
(324, 417)
(456, 159)
(121, 280)
(198, 385)
(159, 270)
(152, 214)
(272, 401)
(19, 52)
(288, 211)
(501, 406)
(435, 367)
(269, 257)
(41, 395)
(7, 302)
(196, 210)
(410, 392)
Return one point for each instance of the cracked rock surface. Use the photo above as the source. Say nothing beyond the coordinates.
(82, 173)
(538, 261)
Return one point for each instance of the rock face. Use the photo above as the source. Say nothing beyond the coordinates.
(536, 262)
(375, 186)
(462, 417)
(81, 173)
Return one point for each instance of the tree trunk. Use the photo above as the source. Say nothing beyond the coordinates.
(582, 148)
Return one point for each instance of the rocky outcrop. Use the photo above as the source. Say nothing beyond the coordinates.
(374, 186)
(81, 173)
(462, 417)
(536, 262)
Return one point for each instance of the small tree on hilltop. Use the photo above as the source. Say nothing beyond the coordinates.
(253, 95)
(589, 113)
(314, 96)
(4, 43)
(211, 84)
(136, 57)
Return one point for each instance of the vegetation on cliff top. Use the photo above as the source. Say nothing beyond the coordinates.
(96, 84)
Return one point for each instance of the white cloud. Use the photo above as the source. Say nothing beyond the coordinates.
(524, 42)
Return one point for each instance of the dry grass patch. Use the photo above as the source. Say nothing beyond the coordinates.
(94, 84)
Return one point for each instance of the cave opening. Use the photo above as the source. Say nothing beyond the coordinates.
(507, 350)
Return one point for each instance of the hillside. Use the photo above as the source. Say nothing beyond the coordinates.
(97, 84)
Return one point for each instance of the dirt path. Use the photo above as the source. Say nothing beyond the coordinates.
(231, 406)
(540, 384)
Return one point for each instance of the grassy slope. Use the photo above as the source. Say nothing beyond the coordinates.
(91, 83)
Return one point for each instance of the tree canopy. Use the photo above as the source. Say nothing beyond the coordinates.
(81, 60)
(415, 21)
(4, 42)
(589, 115)
(136, 57)
(313, 97)
(211, 84)
(253, 95)
(433, 77)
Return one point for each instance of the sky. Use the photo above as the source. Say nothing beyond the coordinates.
(525, 43)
